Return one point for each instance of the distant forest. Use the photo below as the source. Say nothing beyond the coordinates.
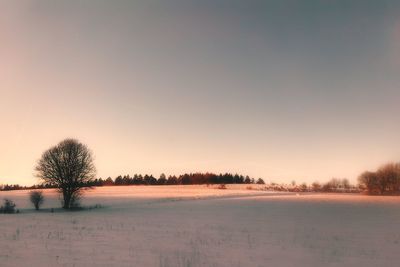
(138, 179)
(384, 181)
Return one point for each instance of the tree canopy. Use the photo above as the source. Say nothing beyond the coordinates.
(69, 167)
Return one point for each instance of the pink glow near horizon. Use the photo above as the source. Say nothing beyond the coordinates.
(187, 88)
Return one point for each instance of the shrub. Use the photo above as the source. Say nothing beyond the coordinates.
(37, 199)
(8, 207)
(222, 186)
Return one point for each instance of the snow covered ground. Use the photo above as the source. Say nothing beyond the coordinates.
(203, 226)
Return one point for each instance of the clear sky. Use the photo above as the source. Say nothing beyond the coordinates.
(284, 90)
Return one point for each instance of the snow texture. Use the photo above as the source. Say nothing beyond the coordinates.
(167, 226)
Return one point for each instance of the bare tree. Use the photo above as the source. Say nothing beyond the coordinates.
(36, 198)
(69, 166)
(389, 178)
(316, 186)
(386, 180)
(369, 180)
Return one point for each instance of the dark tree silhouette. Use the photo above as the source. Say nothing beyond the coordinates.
(138, 179)
(172, 180)
(119, 180)
(260, 181)
(36, 198)
(386, 180)
(8, 206)
(69, 166)
(108, 181)
(389, 178)
(369, 181)
(162, 180)
(316, 186)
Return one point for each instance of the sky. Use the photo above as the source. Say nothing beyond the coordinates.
(283, 90)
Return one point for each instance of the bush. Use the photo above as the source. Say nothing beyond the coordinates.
(222, 186)
(8, 207)
(37, 199)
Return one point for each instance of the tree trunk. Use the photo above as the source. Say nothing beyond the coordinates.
(67, 199)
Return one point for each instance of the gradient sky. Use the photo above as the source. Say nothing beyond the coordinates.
(284, 90)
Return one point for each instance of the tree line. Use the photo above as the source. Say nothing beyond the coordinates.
(10, 187)
(384, 181)
(69, 167)
(139, 179)
(184, 179)
(333, 185)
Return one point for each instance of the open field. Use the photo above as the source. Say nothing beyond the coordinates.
(203, 226)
